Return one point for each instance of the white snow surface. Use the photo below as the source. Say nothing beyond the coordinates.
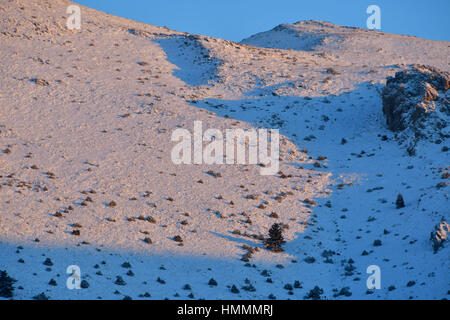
(101, 129)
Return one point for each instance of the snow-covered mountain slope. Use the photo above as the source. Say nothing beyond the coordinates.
(86, 119)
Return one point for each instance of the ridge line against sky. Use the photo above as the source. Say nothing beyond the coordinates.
(236, 20)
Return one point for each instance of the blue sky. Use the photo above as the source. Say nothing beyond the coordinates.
(238, 19)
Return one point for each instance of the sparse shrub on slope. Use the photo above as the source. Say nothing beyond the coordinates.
(416, 104)
(314, 294)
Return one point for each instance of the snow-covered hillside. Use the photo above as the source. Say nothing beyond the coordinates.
(86, 176)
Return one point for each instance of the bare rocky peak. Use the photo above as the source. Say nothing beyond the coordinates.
(316, 26)
(306, 35)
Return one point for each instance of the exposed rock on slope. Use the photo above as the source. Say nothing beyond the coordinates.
(416, 103)
(439, 235)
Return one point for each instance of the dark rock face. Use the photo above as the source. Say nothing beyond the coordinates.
(416, 102)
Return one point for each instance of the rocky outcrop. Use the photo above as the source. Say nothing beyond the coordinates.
(439, 235)
(416, 104)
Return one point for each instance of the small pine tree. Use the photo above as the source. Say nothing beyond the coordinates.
(6, 285)
(275, 239)
(400, 203)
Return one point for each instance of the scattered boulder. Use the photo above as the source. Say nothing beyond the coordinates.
(416, 105)
(84, 284)
(178, 238)
(48, 262)
(212, 282)
(41, 296)
(119, 281)
(40, 82)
